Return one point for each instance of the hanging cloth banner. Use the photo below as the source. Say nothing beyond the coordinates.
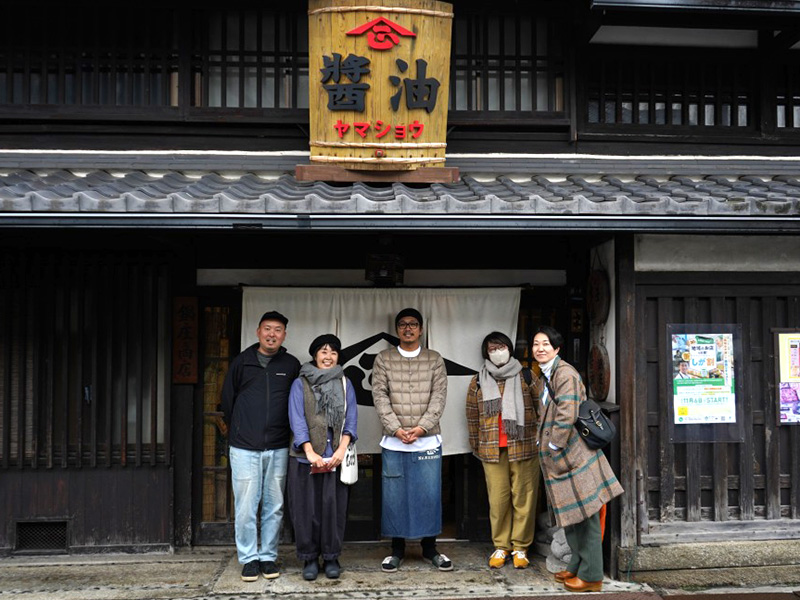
(455, 323)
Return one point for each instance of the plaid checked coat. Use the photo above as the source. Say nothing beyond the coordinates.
(484, 432)
(578, 480)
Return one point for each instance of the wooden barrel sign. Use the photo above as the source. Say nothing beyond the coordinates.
(379, 82)
(599, 372)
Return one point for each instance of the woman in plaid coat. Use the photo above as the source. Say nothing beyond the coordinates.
(578, 480)
(501, 418)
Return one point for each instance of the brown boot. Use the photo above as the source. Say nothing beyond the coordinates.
(576, 584)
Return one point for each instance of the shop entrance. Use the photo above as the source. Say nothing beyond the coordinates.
(465, 505)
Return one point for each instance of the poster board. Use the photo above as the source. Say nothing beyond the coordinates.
(704, 382)
(787, 375)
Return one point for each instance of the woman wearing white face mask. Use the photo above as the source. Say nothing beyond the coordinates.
(502, 418)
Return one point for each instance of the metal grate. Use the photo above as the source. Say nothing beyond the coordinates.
(42, 535)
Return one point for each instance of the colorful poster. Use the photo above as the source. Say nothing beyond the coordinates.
(703, 378)
(789, 377)
(789, 357)
(790, 402)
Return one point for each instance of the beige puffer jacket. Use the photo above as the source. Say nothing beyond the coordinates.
(409, 391)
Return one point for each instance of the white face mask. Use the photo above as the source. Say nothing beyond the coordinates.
(500, 357)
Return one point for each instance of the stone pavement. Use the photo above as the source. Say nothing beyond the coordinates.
(214, 573)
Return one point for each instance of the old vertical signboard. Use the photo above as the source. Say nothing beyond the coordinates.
(378, 77)
(184, 340)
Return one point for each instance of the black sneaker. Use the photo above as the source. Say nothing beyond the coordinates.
(250, 571)
(332, 569)
(311, 570)
(269, 569)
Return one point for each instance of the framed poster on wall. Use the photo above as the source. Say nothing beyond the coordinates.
(787, 367)
(703, 382)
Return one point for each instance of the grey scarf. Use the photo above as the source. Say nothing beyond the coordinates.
(328, 390)
(511, 405)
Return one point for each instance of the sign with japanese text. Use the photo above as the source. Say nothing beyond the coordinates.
(378, 82)
(788, 358)
(703, 382)
(184, 340)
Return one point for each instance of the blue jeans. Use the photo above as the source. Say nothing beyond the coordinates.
(258, 477)
(412, 493)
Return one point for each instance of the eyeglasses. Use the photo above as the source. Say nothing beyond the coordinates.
(407, 325)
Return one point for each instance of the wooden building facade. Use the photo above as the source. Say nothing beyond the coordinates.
(148, 156)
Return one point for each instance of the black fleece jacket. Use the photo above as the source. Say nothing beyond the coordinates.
(255, 400)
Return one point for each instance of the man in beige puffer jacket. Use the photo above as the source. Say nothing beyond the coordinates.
(409, 390)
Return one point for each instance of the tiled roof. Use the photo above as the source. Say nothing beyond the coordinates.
(140, 192)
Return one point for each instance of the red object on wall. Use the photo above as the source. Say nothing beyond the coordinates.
(382, 34)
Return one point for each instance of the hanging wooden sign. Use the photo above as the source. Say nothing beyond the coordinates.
(184, 340)
(379, 83)
(599, 372)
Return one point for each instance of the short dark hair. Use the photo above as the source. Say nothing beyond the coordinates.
(273, 315)
(320, 342)
(556, 339)
(682, 361)
(408, 312)
(497, 338)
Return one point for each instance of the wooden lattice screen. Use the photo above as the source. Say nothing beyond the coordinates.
(670, 87)
(83, 379)
(172, 62)
(696, 491)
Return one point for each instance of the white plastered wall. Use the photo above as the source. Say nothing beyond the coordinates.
(715, 253)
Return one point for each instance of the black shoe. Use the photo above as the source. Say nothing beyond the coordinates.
(311, 570)
(269, 569)
(250, 571)
(441, 562)
(332, 569)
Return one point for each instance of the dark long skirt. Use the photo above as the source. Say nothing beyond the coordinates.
(318, 509)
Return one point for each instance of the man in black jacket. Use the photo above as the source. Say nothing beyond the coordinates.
(255, 402)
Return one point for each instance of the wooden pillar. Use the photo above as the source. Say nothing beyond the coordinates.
(631, 442)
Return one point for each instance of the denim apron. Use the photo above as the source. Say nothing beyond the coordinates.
(412, 493)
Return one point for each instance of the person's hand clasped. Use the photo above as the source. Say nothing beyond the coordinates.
(409, 436)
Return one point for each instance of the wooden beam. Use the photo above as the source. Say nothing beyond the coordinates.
(340, 174)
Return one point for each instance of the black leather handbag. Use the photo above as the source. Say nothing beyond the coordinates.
(594, 426)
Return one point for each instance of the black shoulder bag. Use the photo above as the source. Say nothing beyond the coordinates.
(593, 425)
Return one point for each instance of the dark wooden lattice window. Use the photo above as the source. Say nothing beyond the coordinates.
(506, 63)
(674, 88)
(251, 59)
(82, 375)
(787, 91)
(194, 63)
(72, 55)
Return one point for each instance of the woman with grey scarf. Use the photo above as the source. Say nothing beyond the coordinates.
(502, 420)
(323, 415)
